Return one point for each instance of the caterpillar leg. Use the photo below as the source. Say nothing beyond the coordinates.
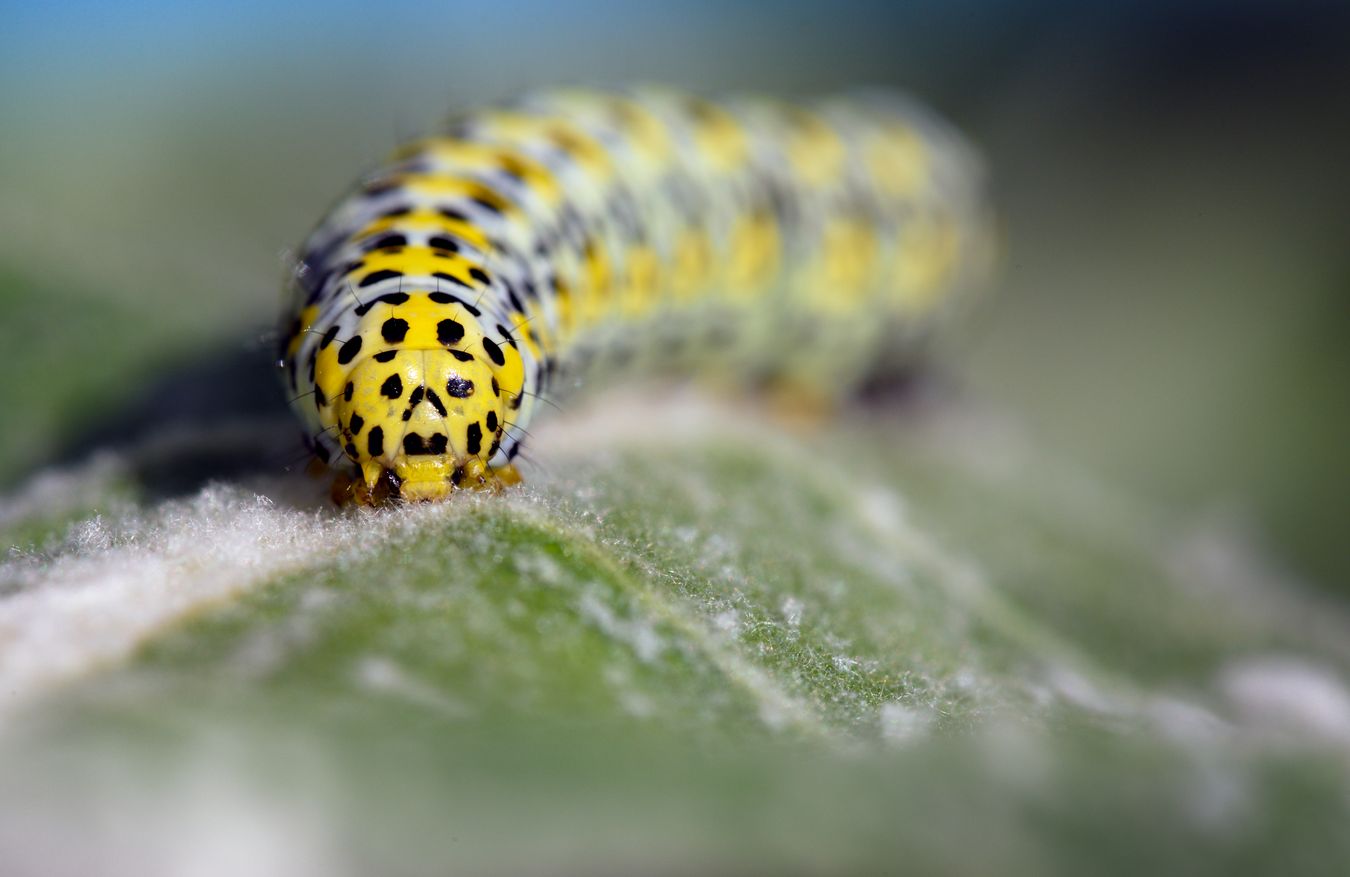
(348, 490)
(506, 476)
(378, 487)
(804, 406)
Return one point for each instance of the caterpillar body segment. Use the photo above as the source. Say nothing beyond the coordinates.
(439, 304)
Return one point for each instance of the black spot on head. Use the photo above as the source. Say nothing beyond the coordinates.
(347, 352)
(475, 436)
(375, 441)
(394, 330)
(348, 390)
(492, 421)
(449, 332)
(328, 336)
(378, 276)
(476, 273)
(386, 355)
(392, 387)
(436, 402)
(439, 443)
(441, 242)
(460, 388)
(356, 424)
(462, 355)
(493, 351)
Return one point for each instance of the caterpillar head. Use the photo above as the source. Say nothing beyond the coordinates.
(429, 418)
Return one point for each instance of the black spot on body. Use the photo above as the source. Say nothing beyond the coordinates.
(416, 398)
(348, 390)
(412, 444)
(451, 278)
(394, 330)
(386, 356)
(475, 436)
(439, 443)
(320, 400)
(462, 355)
(389, 241)
(476, 273)
(393, 298)
(449, 332)
(375, 441)
(328, 337)
(493, 351)
(451, 213)
(347, 352)
(378, 276)
(436, 402)
(460, 388)
(440, 242)
(492, 421)
(350, 447)
(445, 298)
(496, 388)
(356, 424)
(392, 387)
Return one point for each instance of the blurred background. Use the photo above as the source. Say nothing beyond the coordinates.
(1170, 178)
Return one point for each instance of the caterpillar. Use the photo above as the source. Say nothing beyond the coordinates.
(526, 246)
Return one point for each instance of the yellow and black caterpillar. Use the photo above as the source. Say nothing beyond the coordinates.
(440, 302)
